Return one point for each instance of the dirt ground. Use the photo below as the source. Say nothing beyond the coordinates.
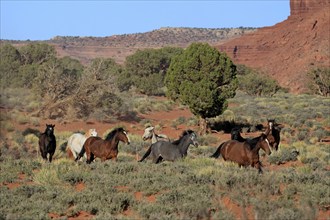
(156, 118)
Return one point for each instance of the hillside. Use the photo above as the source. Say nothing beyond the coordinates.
(120, 46)
(288, 50)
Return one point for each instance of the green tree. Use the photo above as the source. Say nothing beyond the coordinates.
(32, 57)
(146, 69)
(203, 79)
(9, 65)
(37, 53)
(320, 81)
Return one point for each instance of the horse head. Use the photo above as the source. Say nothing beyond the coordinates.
(192, 137)
(148, 132)
(92, 132)
(265, 141)
(49, 129)
(123, 136)
(271, 123)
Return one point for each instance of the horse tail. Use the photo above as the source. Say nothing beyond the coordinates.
(146, 154)
(63, 146)
(217, 152)
(31, 131)
(81, 154)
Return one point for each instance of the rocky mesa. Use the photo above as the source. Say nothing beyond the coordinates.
(289, 49)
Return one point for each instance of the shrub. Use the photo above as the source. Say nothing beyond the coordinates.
(258, 85)
(283, 156)
(320, 81)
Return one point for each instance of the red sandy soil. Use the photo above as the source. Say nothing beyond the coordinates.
(165, 119)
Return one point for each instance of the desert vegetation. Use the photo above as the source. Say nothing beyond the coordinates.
(294, 185)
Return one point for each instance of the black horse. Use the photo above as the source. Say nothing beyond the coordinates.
(47, 142)
(163, 150)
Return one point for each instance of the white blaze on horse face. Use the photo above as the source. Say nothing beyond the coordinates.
(193, 138)
(267, 141)
(271, 125)
(129, 141)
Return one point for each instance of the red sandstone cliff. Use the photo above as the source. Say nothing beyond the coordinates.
(288, 50)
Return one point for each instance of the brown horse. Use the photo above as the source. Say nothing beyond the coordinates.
(104, 149)
(47, 142)
(275, 132)
(272, 135)
(243, 153)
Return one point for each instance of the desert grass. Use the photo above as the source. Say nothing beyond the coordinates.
(192, 188)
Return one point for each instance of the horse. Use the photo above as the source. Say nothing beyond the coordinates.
(243, 153)
(275, 131)
(104, 149)
(47, 142)
(77, 140)
(149, 133)
(271, 132)
(163, 150)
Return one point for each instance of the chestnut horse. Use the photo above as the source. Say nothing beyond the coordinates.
(47, 142)
(243, 153)
(104, 149)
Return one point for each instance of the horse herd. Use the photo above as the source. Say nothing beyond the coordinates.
(245, 152)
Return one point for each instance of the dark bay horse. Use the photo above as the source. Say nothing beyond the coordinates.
(271, 132)
(104, 149)
(243, 153)
(47, 142)
(163, 150)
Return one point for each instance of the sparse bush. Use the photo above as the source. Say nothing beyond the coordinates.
(320, 81)
(257, 85)
(285, 155)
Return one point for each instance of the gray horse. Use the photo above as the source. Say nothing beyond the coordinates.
(163, 150)
(149, 133)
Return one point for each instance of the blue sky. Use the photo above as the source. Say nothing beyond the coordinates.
(42, 20)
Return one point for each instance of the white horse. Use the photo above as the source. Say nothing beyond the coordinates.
(77, 140)
(149, 133)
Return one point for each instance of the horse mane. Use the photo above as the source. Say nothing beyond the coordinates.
(253, 142)
(113, 132)
(183, 134)
(236, 134)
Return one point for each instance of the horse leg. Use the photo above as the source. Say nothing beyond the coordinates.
(90, 158)
(158, 160)
(74, 153)
(258, 166)
(44, 155)
(51, 157)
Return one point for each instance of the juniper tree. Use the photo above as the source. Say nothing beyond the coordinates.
(203, 79)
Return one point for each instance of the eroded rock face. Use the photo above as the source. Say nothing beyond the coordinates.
(288, 50)
(299, 7)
